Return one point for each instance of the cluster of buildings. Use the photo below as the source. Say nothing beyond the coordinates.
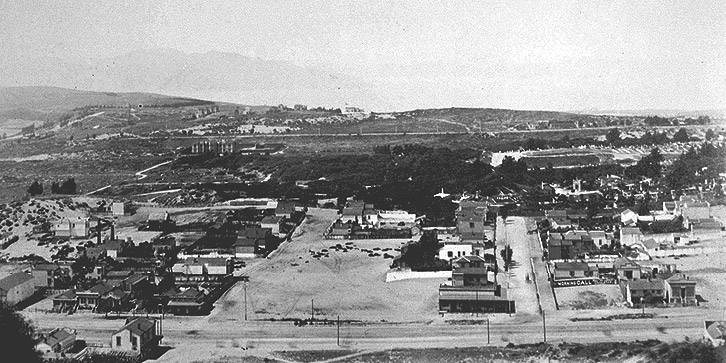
(138, 338)
(470, 249)
(360, 220)
(473, 234)
(233, 146)
(586, 248)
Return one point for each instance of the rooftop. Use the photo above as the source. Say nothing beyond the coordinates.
(138, 326)
(13, 280)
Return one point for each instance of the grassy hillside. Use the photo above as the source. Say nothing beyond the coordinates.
(39, 103)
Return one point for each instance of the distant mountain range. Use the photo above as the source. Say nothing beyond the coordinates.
(214, 75)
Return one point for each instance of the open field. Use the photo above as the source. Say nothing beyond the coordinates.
(590, 297)
(350, 283)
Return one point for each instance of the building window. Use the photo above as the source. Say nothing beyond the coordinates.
(451, 253)
(118, 341)
(471, 225)
(134, 343)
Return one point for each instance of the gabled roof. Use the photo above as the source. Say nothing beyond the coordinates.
(643, 284)
(716, 329)
(46, 267)
(13, 280)
(66, 295)
(680, 279)
(100, 288)
(271, 219)
(255, 232)
(138, 326)
(470, 259)
(285, 207)
(573, 266)
(623, 262)
(58, 335)
(631, 231)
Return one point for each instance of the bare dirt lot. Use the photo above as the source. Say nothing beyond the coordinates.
(350, 283)
(590, 297)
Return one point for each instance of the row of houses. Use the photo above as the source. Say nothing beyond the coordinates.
(138, 338)
(640, 282)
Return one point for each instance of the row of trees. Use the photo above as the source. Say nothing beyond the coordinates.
(68, 186)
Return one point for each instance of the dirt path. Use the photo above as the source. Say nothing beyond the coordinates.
(468, 129)
(519, 279)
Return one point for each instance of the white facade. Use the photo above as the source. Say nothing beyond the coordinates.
(73, 228)
(452, 251)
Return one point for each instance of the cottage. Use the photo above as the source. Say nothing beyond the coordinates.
(121, 208)
(90, 299)
(474, 270)
(643, 291)
(16, 288)
(452, 250)
(353, 212)
(245, 247)
(679, 289)
(114, 248)
(627, 269)
(285, 209)
(263, 236)
(715, 332)
(473, 287)
(72, 228)
(395, 219)
(57, 341)
(628, 218)
(191, 301)
(139, 337)
(65, 301)
(569, 270)
(274, 223)
(45, 274)
(630, 236)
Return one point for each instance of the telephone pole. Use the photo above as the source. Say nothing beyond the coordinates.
(245, 286)
(312, 309)
(488, 340)
(544, 327)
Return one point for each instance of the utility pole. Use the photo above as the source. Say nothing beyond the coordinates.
(338, 329)
(312, 309)
(488, 340)
(245, 286)
(544, 327)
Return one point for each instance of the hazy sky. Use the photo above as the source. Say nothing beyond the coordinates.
(520, 54)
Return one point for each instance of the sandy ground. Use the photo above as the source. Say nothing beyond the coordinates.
(27, 244)
(566, 296)
(350, 283)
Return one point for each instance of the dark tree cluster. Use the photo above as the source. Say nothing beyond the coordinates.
(68, 186)
(421, 255)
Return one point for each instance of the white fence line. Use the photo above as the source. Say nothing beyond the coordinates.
(686, 251)
(408, 275)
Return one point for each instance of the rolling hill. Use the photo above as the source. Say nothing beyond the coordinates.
(212, 75)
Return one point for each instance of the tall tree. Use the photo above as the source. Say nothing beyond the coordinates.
(681, 135)
(35, 188)
(613, 136)
(17, 341)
